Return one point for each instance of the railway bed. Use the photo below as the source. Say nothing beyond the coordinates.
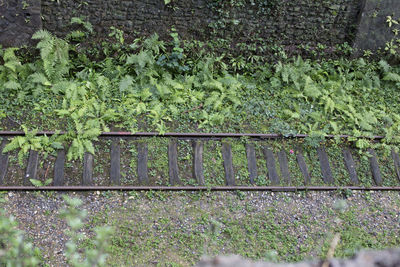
(277, 164)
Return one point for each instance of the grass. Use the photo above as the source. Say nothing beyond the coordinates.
(177, 229)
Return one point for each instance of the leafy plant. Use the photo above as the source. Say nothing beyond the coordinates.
(15, 250)
(80, 34)
(156, 85)
(54, 55)
(88, 120)
(117, 34)
(30, 141)
(393, 45)
(95, 256)
(39, 183)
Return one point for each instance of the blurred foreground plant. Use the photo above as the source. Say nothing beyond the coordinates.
(16, 251)
(74, 217)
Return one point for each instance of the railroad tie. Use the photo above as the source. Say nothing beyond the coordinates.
(373, 162)
(173, 163)
(303, 166)
(59, 168)
(228, 165)
(396, 161)
(31, 169)
(324, 164)
(271, 166)
(283, 164)
(87, 177)
(3, 162)
(350, 166)
(251, 162)
(142, 157)
(115, 169)
(198, 172)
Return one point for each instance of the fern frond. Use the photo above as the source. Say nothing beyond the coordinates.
(12, 65)
(54, 55)
(384, 65)
(39, 78)
(9, 54)
(15, 143)
(13, 85)
(41, 35)
(125, 83)
(390, 76)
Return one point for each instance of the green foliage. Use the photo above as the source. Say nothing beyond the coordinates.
(54, 55)
(393, 45)
(117, 34)
(39, 183)
(88, 117)
(30, 141)
(154, 85)
(86, 28)
(89, 257)
(15, 250)
(333, 99)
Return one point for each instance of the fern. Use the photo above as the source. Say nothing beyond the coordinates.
(54, 55)
(39, 78)
(9, 54)
(11, 69)
(391, 76)
(310, 89)
(81, 34)
(30, 141)
(125, 84)
(384, 65)
(81, 21)
(12, 85)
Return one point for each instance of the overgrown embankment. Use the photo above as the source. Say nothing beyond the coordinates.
(151, 85)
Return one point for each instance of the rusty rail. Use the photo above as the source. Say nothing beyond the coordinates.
(190, 135)
(200, 188)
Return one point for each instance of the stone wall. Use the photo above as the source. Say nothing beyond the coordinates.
(281, 22)
(373, 30)
(287, 21)
(284, 21)
(18, 21)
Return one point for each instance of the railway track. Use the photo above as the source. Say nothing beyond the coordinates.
(278, 176)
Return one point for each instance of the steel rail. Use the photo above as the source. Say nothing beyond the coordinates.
(199, 188)
(191, 135)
